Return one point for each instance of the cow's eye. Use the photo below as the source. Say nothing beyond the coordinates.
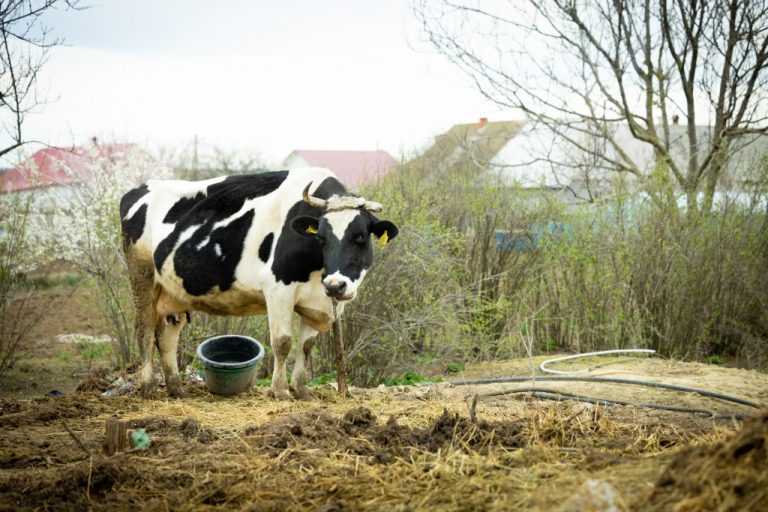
(321, 239)
(361, 239)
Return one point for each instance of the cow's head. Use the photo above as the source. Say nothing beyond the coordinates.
(344, 232)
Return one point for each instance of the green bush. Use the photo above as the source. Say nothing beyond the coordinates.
(631, 270)
(16, 316)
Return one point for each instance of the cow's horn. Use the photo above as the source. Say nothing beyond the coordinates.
(373, 206)
(313, 201)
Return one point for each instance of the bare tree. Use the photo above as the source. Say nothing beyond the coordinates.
(199, 160)
(24, 45)
(583, 67)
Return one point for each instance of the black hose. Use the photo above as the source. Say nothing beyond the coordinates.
(613, 380)
(702, 392)
(562, 396)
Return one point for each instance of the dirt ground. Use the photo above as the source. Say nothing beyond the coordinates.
(48, 364)
(401, 448)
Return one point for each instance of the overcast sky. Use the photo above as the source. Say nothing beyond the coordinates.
(250, 76)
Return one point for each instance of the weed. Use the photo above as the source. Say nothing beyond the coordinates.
(93, 350)
(408, 378)
(64, 355)
(714, 359)
(454, 368)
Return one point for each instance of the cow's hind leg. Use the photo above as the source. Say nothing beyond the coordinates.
(299, 378)
(145, 295)
(168, 341)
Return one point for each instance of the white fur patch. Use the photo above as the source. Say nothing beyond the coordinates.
(203, 243)
(187, 234)
(138, 204)
(351, 289)
(340, 220)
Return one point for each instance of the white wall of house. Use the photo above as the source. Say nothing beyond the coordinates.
(538, 157)
(530, 160)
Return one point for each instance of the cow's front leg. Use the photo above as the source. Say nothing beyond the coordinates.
(299, 379)
(280, 339)
(168, 342)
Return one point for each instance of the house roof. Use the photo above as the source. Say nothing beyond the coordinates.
(353, 168)
(58, 166)
(467, 146)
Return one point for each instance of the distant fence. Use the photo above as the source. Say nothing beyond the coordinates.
(518, 240)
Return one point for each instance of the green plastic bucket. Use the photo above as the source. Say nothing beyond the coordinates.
(229, 363)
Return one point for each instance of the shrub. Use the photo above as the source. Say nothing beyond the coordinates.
(483, 272)
(16, 319)
(80, 224)
(701, 285)
(441, 289)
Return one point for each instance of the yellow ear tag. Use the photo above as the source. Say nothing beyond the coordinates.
(383, 239)
(311, 230)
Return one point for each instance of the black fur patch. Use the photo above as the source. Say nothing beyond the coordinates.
(181, 207)
(296, 256)
(265, 249)
(133, 227)
(353, 253)
(223, 200)
(242, 187)
(212, 264)
(164, 248)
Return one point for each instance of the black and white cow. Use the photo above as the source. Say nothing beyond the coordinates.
(276, 242)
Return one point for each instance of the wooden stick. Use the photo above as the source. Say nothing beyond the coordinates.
(77, 439)
(341, 364)
(116, 439)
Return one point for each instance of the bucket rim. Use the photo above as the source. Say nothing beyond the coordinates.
(209, 363)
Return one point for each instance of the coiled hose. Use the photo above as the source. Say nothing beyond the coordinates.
(548, 394)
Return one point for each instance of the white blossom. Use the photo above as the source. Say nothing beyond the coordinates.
(79, 222)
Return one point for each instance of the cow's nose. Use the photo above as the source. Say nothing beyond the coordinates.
(335, 289)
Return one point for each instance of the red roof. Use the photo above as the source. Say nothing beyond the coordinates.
(353, 168)
(57, 166)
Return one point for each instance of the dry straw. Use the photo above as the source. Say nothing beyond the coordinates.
(379, 450)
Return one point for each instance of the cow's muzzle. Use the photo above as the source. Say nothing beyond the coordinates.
(337, 289)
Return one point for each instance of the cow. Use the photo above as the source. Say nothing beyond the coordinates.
(276, 243)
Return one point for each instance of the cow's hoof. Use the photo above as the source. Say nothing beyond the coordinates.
(303, 393)
(280, 394)
(149, 391)
(176, 390)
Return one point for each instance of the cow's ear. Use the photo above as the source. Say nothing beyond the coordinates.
(384, 230)
(305, 225)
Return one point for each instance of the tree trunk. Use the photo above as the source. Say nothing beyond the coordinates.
(716, 169)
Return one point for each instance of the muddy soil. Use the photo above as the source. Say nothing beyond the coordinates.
(386, 449)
